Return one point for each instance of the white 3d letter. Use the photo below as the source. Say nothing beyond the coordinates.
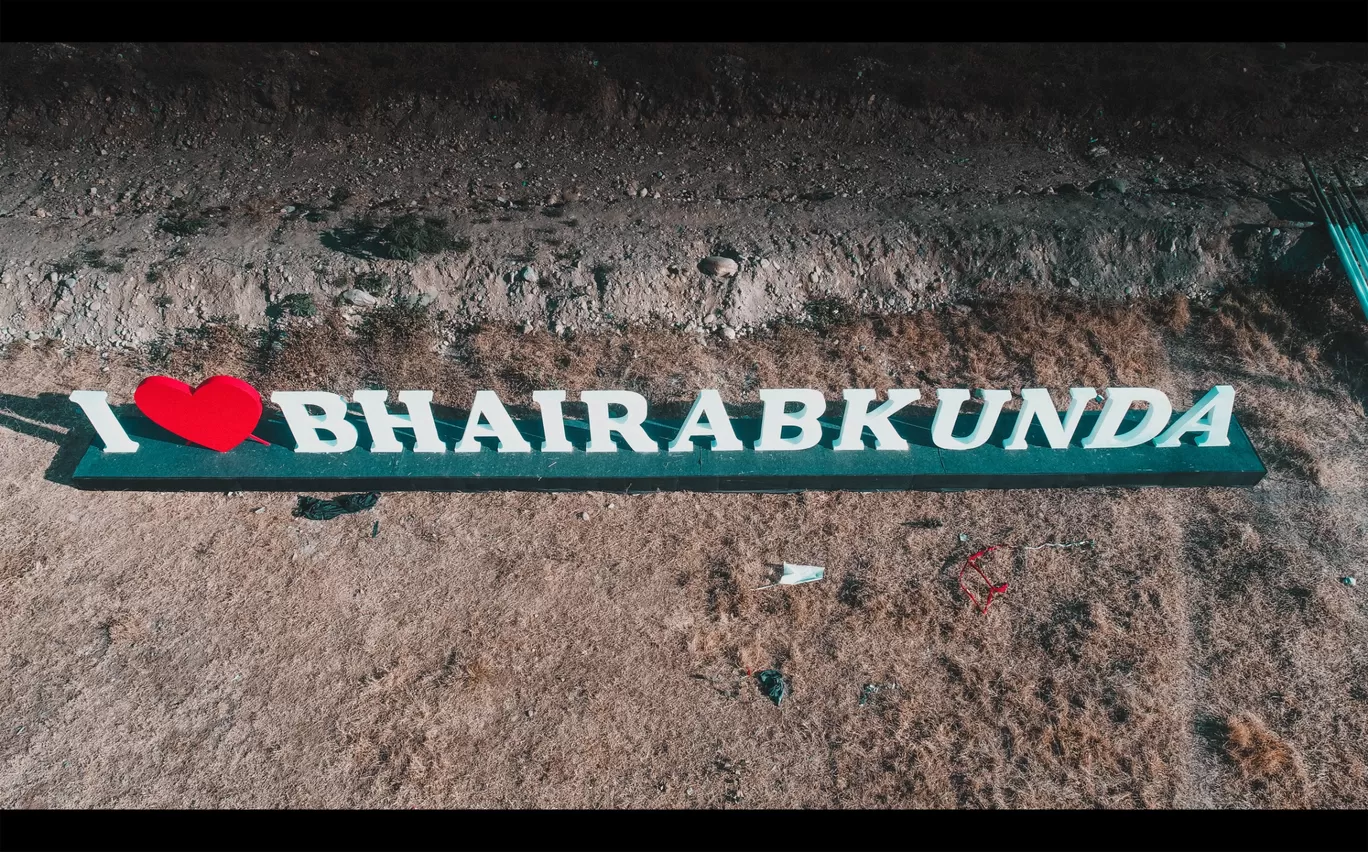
(488, 406)
(304, 426)
(382, 424)
(1119, 401)
(774, 419)
(96, 406)
(719, 428)
(553, 422)
(602, 427)
(1210, 416)
(948, 403)
(1037, 405)
(858, 416)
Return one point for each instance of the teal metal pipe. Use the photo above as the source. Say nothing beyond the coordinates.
(1346, 254)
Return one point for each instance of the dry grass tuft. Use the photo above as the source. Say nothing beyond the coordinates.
(1255, 750)
(1175, 311)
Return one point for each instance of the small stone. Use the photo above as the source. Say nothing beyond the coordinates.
(1349, 581)
(287, 210)
(360, 298)
(53, 277)
(612, 505)
(1097, 151)
(560, 328)
(583, 516)
(40, 213)
(102, 286)
(814, 276)
(1113, 184)
(33, 335)
(719, 267)
(527, 328)
(258, 510)
(964, 536)
(728, 332)
(518, 165)
(528, 275)
(644, 192)
(1073, 282)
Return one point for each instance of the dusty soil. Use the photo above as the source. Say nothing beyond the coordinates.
(151, 188)
(594, 649)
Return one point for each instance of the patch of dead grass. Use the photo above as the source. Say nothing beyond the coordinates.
(1256, 751)
(499, 650)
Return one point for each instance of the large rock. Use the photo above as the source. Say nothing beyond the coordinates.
(360, 298)
(718, 267)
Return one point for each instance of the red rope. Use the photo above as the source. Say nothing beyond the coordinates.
(993, 590)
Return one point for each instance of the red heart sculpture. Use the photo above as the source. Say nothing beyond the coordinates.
(219, 414)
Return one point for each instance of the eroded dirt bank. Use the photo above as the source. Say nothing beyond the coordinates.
(137, 202)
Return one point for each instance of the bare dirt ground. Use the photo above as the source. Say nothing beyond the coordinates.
(593, 649)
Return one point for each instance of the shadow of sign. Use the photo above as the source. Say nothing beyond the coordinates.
(55, 419)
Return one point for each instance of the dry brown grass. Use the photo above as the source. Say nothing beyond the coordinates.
(1255, 750)
(499, 650)
(1012, 343)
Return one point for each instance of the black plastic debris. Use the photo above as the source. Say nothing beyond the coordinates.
(772, 683)
(316, 509)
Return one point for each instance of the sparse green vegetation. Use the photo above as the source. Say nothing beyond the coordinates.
(184, 225)
(375, 283)
(829, 313)
(153, 276)
(294, 304)
(162, 301)
(601, 272)
(407, 237)
(93, 258)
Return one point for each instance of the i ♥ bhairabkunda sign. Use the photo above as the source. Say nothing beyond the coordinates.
(183, 439)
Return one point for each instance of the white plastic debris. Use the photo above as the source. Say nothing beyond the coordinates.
(797, 574)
